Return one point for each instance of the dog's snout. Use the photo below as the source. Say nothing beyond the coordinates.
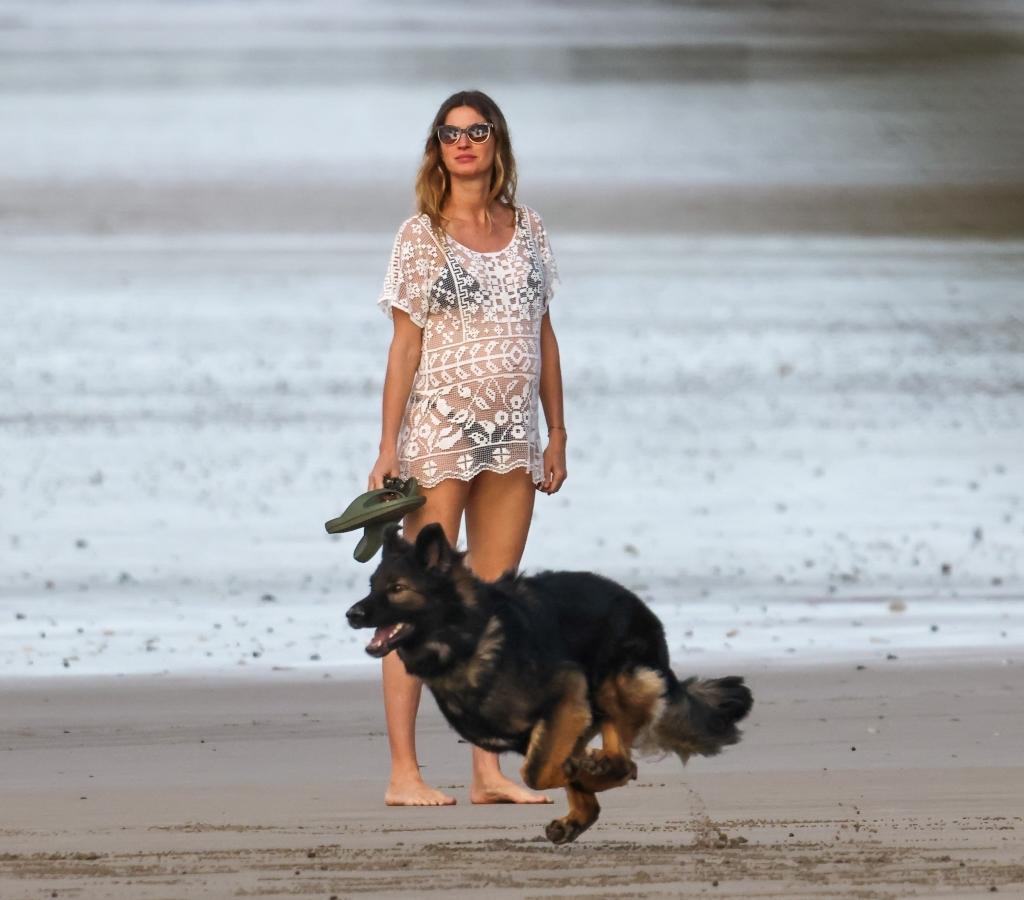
(356, 614)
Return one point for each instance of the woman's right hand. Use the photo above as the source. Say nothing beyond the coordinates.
(387, 464)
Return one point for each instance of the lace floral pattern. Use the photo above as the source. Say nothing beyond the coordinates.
(473, 405)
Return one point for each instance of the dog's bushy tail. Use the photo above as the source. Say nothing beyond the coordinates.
(700, 716)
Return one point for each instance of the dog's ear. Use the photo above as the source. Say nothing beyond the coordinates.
(393, 541)
(433, 550)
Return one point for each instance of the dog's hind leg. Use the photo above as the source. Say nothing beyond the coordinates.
(630, 703)
(563, 734)
(560, 735)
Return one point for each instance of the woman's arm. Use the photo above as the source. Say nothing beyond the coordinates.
(403, 361)
(551, 398)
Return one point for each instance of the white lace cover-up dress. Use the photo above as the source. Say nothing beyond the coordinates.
(473, 404)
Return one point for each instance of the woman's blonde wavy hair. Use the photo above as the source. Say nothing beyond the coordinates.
(432, 182)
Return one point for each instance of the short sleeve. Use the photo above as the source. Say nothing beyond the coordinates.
(413, 267)
(547, 258)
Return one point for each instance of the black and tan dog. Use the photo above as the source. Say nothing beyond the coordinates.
(542, 664)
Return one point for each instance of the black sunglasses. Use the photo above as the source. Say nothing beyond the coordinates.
(477, 133)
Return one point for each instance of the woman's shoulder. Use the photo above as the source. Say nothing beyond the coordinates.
(414, 226)
(534, 223)
(531, 213)
(533, 219)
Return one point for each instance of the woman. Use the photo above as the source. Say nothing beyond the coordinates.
(473, 348)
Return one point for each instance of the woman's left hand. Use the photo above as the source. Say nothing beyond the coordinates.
(554, 464)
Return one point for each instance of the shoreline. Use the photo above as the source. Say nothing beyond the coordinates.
(697, 661)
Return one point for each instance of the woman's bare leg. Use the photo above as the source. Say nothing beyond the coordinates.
(498, 514)
(445, 503)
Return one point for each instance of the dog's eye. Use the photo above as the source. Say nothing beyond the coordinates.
(396, 587)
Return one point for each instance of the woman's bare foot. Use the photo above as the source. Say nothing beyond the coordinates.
(500, 790)
(415, 792)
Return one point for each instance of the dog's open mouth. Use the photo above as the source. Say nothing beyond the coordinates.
(387, 637)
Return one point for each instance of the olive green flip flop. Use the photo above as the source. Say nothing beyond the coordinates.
(374, 511)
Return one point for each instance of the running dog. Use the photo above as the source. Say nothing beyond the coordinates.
(540, 665)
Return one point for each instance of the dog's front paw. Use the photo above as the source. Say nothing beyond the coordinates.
(564, 830)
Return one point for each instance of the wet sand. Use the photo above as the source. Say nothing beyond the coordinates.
(890, 780)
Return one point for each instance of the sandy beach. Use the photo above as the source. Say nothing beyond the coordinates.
(888, 780)
(791, 241)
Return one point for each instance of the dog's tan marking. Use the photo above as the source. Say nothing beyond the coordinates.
(488, 648)
(631, 704)
(642, 699)
(464, 586)
(562, 735)
(467, 676)
(583, 812)
(407, 599)
(443, 651)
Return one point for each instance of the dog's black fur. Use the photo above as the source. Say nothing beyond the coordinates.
(540, 664)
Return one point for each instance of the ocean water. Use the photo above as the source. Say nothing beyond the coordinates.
(795, 427)
(787, 447)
